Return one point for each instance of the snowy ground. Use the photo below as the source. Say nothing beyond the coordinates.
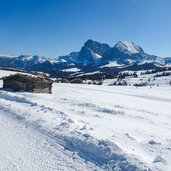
(86, 126)
(150, 79)
(23, 148)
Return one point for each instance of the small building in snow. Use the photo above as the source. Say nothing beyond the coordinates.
(77, 81)
(28, 82)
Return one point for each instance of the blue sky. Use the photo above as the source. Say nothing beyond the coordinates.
(57, 27)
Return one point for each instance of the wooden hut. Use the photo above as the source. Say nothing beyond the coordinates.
(77, 81)
(28, 82)
(65, 80)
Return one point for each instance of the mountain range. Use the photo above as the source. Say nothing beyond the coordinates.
(93, 57)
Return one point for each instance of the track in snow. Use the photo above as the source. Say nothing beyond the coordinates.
(23, 148)
(136, 120)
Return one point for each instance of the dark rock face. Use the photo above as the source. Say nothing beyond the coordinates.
(96, 47)
(86, 55)
(92, 50)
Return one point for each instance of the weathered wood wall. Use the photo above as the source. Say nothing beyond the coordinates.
(21, 84)
(18, 85)
(42, 88)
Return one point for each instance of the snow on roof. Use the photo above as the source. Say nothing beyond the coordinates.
(29, 77)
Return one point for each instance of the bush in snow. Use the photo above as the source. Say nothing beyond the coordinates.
(120, 83)
(140, 84)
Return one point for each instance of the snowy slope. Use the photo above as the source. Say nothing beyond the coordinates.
(114, 128)
(128, 47)
(71, 70)
(149, 79)
(111, 64)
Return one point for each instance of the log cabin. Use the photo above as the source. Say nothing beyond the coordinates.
(77, 81)
(28, 83)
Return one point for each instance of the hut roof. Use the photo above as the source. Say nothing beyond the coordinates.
(76, 80)
(30, 77)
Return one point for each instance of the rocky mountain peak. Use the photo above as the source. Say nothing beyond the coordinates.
(128, 47)
(96, 47)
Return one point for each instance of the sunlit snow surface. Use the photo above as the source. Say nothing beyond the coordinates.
(71, 70)
(111, 127)
(128, 47)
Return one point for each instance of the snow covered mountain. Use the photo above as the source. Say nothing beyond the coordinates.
(129, 47)
(22, 61)
(92, 57)
(28, 60)
(6, 60)
(90, 53)
(100, 57)
(125, 52)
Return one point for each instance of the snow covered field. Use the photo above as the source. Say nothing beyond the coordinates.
(149, 79)
(86, 127)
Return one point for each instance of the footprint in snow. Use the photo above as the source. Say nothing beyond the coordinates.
(152, 142)
(159, 159)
